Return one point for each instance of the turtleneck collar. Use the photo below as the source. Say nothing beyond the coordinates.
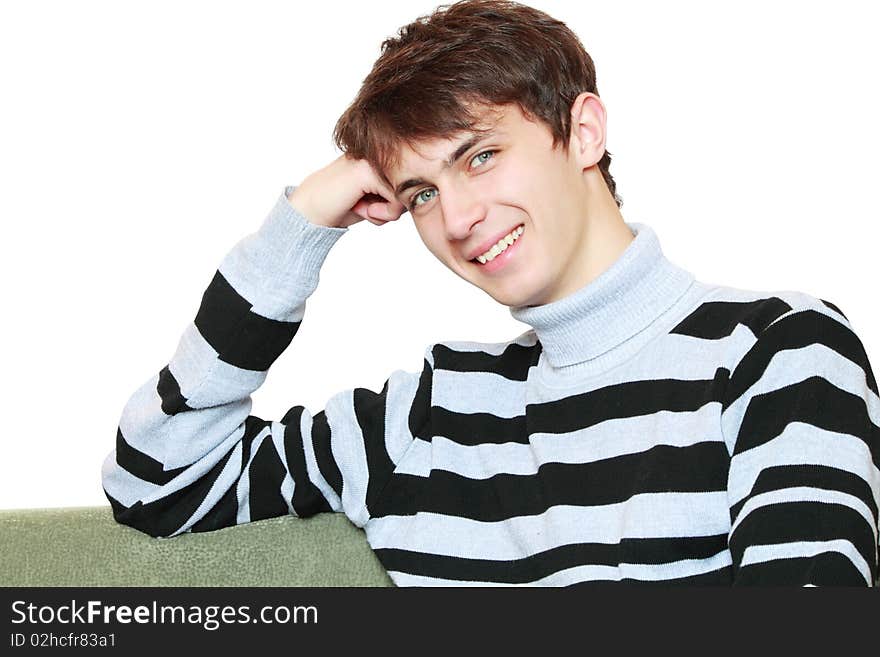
(622, 301)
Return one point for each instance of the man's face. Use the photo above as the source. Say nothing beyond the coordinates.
(510, 181)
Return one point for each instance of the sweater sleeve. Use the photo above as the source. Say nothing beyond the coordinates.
(189, 456)
(802, 422)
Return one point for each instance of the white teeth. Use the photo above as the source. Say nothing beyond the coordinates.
(501, 246)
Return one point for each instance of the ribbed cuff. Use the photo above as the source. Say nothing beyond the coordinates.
(277, 268)
(298, 238)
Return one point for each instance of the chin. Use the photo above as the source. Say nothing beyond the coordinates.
(510, 299)
(510, 293)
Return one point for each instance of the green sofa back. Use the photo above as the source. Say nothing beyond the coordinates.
(85, 546)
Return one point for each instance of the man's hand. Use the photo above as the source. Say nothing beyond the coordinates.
(345, 192)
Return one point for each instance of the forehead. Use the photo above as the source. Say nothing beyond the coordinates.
(497, 119)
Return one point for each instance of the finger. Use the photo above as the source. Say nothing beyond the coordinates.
(396, 209)
(362, 209)
(381, 211)
(387, 195)
(394, 205)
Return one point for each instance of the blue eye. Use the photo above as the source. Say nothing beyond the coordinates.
(482, 154)
(413, 202)
(419, 195)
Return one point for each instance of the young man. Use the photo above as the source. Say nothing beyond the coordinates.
(647, 427)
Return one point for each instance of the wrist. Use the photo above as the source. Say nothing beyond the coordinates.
(301, 203)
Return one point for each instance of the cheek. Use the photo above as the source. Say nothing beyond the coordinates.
(433, 240)
(515, 184)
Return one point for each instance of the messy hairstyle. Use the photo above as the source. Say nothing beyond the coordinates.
(435, 77)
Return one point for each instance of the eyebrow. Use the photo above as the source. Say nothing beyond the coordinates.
(463, 148)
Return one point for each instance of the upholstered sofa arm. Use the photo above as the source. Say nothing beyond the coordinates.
(85, 546)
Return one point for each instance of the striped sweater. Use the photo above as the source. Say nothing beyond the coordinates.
(646, 428)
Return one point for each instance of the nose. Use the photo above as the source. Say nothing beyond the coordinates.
(462, 210)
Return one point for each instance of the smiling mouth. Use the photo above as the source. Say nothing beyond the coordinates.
(500, 247)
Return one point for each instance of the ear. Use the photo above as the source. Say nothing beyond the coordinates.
(587, 141)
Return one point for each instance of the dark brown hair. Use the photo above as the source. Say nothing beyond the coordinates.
(441, 70)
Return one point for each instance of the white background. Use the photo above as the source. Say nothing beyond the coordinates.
(139, 141)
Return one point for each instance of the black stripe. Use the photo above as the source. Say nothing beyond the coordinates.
(478, 428)
(813, 401)
(307, 498)
(628, 399)
(513, 363)
(622, 400)
(323, 453)
(834, 308)
(648, 551)
(220, 312)
(118, 507)
(265, 476)
(825, 569)
(166, 515)
(696, 468)
(798, 330)
(813, 476)
(787, 522)
(713, 320)
(225, 512)
(404, 494)
(403, 487)
(259, 342)
(142, 465)
(420, 413)
(220, 514)
(173, 401)
(241, 337)
(369, 409)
